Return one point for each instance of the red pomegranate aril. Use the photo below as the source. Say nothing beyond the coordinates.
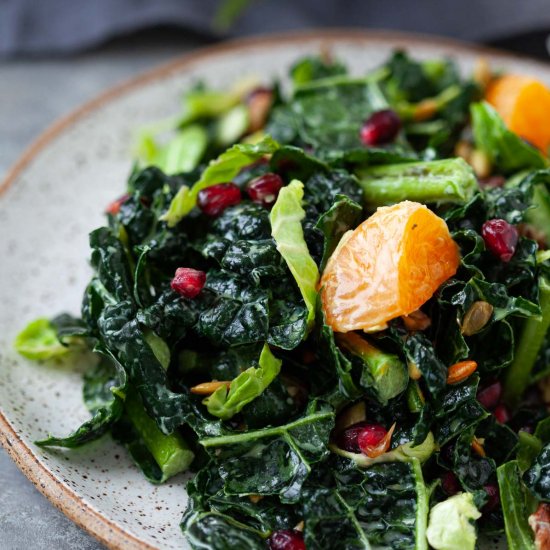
(287, 539)
(489, 396)
(450, 484)
(215, 199)
(501, 414)
(188, 282)
(114, 207)
(501, 238)
(493, 498)
(348, 441)
(370, 435)
(381, 127)
(264, 189)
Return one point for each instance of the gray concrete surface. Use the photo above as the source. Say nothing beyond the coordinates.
(33, 93)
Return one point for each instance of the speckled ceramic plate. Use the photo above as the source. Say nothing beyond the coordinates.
(49, 202)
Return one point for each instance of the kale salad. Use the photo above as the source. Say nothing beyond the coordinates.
(329, 303)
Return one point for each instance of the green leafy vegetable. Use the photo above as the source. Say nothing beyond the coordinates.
(104, 393)
(442, 181)
(181, 154)
(275, 445)
(344, 215)
(537, 477)
(39, 341)
(529, 346)
(450, 527)
(384, 372)
(171, 452)
(515, 505)
(286, 228)
(504, 148)
(223, 169)
(226, 402)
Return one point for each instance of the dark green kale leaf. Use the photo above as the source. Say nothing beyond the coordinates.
(170, 317)
(103, 392)
(221, 532)
(537, 477)
(273, 461)
(343, 215)
(311, 68)
(294, 163)
(384, 506)
(288, 317)
(327, 115)
(122, 333)
(473, 471)
(111, 263)
(232, 312)
(265, 515)
(457, 410)
(419, 350)
(411, 81)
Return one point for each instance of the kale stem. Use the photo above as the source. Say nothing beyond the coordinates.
(530, 342)
(440, 181)
(170, 452)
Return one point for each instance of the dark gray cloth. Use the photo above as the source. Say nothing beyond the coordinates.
(45, 26)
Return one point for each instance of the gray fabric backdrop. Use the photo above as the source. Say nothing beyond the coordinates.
(45, 26)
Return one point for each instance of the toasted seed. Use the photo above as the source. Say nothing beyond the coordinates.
(255, 498)
(352, 415)
(477, 446)
(476, 317)
(259, 105)
(299, 526)
(425, 109)
(482, 72)
(207, 388)
(382, 447)
(460, 371)
(414, 371)
(417, 320)
(481, 163)
(463, 149)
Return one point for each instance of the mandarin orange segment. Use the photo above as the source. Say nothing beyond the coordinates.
(524, 105)
(389, 266)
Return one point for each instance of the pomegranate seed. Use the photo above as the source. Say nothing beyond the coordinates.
(501, 414)
(347, 440)
(287, 539)
(501, 238)
(370, 436)
(493, 498)
(215, 199)
(489, 396)
(264, 189)
(114, 207)
(380, 127)
(450, 484)
(188, 282)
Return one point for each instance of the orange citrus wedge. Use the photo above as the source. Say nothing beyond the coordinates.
(524, 105)
(389, 266)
